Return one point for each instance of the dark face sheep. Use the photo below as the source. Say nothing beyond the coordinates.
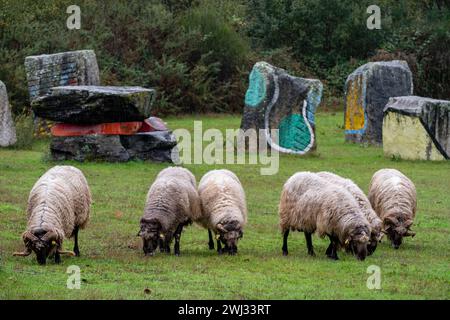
(358, 243)
(373, 243)
(229, 235)
(44, 244)
(151, 235)
(396, 231)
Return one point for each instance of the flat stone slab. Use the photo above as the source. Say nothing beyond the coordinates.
(417, 128)
(94, 104)
(154, 146)
(277, 100)
(367, 90)
(7, 128)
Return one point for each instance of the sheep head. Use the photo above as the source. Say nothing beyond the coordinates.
(357, 242)
(151, 234)
(229, 233)
(396, 230)
(43, 243)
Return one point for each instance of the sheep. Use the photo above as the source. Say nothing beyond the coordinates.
(393, 197)
(364, 204)
(224, 209)
(311, 204)
(172, 203)
(58, 207)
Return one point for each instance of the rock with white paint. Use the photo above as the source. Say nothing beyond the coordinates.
(7, 128)
(367, 90)
(277, 100)
(417, 128)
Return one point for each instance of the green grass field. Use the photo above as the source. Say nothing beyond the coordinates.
(113, 265)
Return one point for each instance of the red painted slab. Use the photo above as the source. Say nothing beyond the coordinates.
(153, 124)
(119, 128)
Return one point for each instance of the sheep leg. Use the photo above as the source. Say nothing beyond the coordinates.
(309, 244)
(211, 241)
(332, 253)
(57, 257)
(285, 245)
(177, 239)
(219, 247)
(161, 245)
(76, 250)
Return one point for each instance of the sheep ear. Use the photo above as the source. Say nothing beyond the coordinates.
(410, 234)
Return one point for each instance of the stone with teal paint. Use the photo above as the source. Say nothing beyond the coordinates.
(277, 100)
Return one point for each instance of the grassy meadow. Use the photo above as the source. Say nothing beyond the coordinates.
(113, 265)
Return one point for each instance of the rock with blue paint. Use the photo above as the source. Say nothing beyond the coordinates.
(284, 107)
(60, 69)
(417, 128)
(367, 90)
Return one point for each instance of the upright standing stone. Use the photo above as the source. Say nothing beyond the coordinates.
(367, 90)
(277, 100)
(7, 129)
(417, 128)
(60, 69)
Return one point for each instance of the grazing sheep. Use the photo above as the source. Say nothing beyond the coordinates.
(309, 203)
(172, 203)
(224, 209)
(393, 197)
(58, 206)
(364, 204)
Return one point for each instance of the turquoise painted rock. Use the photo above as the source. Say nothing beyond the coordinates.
(277, 100)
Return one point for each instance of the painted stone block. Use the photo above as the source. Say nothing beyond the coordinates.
(277, 100)
(367, 90)
(114, 128)
(7, 128)
(417, 128)
(94, 104)
(60, 69)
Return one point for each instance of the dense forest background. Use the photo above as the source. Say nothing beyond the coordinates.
(198, 53)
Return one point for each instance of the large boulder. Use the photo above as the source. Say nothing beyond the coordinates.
(7, 128)
(417, 128)
(277, 100)
(94, 104)
(367, 90)
(154, 146)
(60, 69)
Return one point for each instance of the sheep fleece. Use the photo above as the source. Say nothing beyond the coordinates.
(359, 196)
(309, 203)
(173, 198)
(391, 193)
(59, 201)
(222, 198)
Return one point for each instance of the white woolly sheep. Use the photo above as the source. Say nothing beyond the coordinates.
(364, 204)
(224, 209)
(172, 203)
(311, 204)
(58, 206)
(393, 197)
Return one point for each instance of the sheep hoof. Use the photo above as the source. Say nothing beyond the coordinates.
(285, 253)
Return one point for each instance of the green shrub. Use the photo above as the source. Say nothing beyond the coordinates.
(24, 131)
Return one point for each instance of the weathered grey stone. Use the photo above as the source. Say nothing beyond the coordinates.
(277, 100)
(59, 69)
(417, 128)
(94, 104)
(7, 128)
(367, 90)
(154, 146)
